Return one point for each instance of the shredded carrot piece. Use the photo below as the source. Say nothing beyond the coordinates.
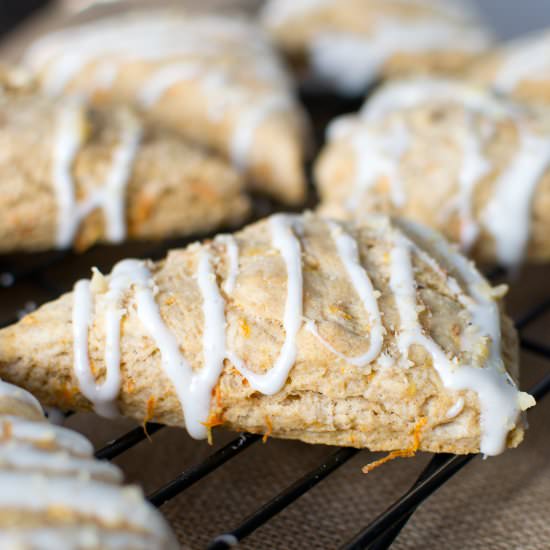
(150, 412)
(6, 430)
(245, 327)
(215, 419)
(269, 429)
(403, 453)
(217, 394)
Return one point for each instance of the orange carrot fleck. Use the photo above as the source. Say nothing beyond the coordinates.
(404, 453)
(269, 429)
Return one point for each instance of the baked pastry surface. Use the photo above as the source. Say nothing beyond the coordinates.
(349, 44)
(215, 79)
(72, 175)
(55, 495)
(449, 155)
(519, 68)
(298, 327)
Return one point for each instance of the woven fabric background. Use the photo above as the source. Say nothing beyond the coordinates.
(498, 504)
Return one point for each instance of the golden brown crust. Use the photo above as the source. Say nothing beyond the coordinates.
(518, 69)
(226, 88)
(447, 39)
(325, 399)
(174, 188)
(444, 138)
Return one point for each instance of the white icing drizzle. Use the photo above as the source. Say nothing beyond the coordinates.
(498, 395)
(9, 390)
(277, 12)
(508, 214)
(348, 253)
(164, 79)
(524, 59)
(43, 466)
(81, 537)
(378, 153)
(69, 138)
(222, 54)
(26, 458)
(232, 251)
(499, 399)
(107, 503)
(456, 409)
(102, 396)
(111, 196)
(46, 434)
(248, 124)
(351, 62)
(473, 168)
(289, 247)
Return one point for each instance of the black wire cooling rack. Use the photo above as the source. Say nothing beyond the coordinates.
(38, 275)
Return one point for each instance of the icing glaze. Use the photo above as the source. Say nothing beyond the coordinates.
(523, 59)
(351, 62)
(110, 197)
(223, 55)
(500, 401)
(232, 251)
(45, 467)
(348, 253)
(379, 150)
(508, 213)
(288, 245)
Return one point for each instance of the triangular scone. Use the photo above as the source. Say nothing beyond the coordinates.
(56, 495)
(350, 44)
(519, 68)
(296, 326)
(216, 79)
(72, 175)
(448, 155)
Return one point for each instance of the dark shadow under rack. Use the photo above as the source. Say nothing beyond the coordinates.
(378, 534)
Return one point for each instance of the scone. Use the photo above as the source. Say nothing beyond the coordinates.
(519, 68)
(350, 44)
(216, 79)
(448, 155)
(55, 495)
(72, 175)
(298, 327)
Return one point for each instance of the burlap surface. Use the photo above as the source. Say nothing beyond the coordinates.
(500, 503)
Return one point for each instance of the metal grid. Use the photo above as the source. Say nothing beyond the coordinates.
(378, 534)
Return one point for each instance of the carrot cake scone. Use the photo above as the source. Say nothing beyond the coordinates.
(349, 44)
(216, 79)
(519, 68)
(55, 495)
(72, 175)
(296, 326)
(451, 156)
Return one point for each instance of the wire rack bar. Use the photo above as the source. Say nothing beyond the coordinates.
(386, 539)
(282, 500)
(395, 517)
(197, 472)
(535, 347)
(127, 441)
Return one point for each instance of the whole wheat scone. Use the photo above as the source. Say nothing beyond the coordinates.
(349, 44)
(297, 327)
(55, 495)
(215, 79)
(72, 175)
(448, 155)
(519, 68)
